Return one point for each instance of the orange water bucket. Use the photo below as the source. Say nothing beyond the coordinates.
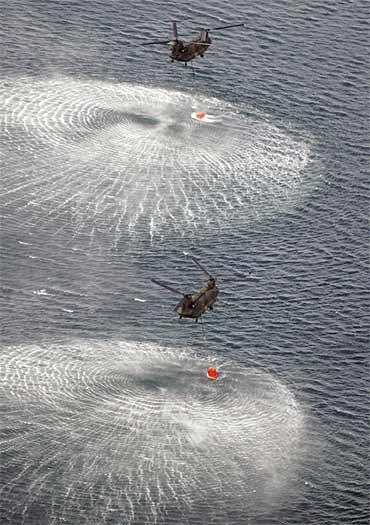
(212, 373)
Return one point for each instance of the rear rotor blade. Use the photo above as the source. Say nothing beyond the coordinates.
(163, 285)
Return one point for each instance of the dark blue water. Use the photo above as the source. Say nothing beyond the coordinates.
(106, 412)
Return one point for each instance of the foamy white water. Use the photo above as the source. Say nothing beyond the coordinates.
(140, 429)
(120, 158)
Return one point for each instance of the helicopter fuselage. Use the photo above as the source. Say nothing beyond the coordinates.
(194, 305)
(185, 52)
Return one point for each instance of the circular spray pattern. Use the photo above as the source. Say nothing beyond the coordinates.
(96, 157)
(120, 432)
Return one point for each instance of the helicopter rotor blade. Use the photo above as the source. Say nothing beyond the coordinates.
(155, 42)
(163, 285)
(200, 266)
(225, 27)
(174, 31)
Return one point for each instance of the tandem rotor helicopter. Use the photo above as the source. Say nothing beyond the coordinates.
(193, 305)
(186, 51)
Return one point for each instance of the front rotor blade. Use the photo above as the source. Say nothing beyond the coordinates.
(174, 31)
(156, 42)
(163, 285)
(200, 266)
(225, 27)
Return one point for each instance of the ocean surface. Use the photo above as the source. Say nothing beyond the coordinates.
(106, 413)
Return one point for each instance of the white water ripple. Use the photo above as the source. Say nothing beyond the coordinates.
(114, 429)
(92, 157)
